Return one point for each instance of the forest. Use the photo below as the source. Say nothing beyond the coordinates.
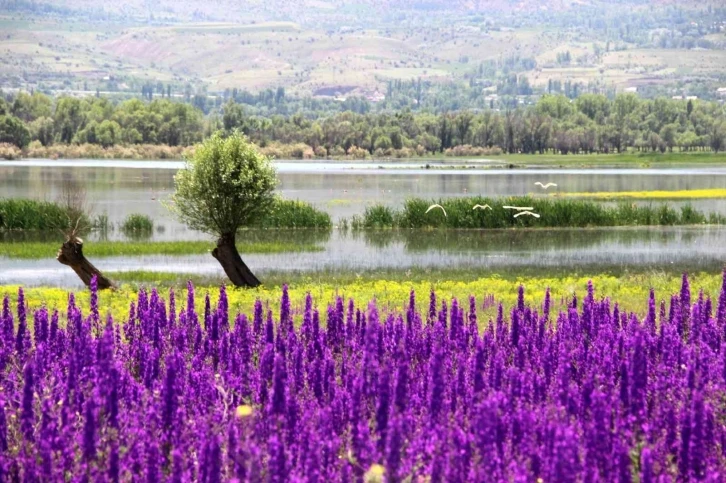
(591, 123)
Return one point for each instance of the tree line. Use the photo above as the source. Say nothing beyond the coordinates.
(97, 120)
(591, 123)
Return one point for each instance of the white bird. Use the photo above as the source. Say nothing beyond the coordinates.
(545, 186)
(480, 207)
(520, 208)
(436, 206)
(526, 213)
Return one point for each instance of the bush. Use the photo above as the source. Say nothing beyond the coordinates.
(95, 151)
(357, 153)
(9, 151)
(137, 225)
(468, 150)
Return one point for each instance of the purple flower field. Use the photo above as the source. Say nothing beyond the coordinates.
(581, 392)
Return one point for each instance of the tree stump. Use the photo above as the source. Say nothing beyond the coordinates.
(71, 254)
(237, 271)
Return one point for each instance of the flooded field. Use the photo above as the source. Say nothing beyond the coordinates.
(118, 188)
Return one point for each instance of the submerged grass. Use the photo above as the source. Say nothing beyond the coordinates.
(553, 213)
(294, 214)
(100, 249)
(647, 195)
(629, 289)
(24, 214)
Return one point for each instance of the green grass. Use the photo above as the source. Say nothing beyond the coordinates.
(39, 250)
(553, 213)
(137, 223)
(294, 214)
(24, 214)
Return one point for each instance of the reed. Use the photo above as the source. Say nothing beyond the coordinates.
(294, 214)
(554, 213)
(24, 214)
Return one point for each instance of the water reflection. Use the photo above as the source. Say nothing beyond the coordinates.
(119, 188)
(694, 248)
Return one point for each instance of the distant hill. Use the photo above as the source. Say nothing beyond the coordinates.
(358, 47)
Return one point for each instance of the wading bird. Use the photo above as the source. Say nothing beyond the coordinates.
(480, 207)
(436, 206)
(526, 213)
(545, 186)
(520, 208)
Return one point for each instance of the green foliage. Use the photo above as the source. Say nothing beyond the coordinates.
(137, 225)
(378, 216)
(23, 214)
(226, 185)
(13, 131)
(556, 124)
(553, 213)
(293, 214)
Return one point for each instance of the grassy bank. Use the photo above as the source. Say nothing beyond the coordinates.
(459, 213)
(629, 290)
(628, 159)
(647, 195)
(100, 249)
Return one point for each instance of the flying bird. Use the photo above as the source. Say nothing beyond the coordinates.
(526, 213)
(480, 207)
(545, 186)
(436, 206)
(520, 208)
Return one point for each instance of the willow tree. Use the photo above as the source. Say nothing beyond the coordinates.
(226, 185)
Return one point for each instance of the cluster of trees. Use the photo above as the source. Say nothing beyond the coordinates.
(97, 120)
(590, 123)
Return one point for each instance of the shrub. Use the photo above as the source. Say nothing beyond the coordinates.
(9, 151)
(137, 225)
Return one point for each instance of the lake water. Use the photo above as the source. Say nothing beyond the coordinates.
(587, 251)
(119, 188)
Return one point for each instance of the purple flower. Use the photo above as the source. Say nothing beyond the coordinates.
(27, 418)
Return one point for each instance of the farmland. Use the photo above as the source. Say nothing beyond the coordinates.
(356, 49)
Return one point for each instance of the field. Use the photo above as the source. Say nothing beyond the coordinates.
(315, 54)
(387, 371)
(389, 289)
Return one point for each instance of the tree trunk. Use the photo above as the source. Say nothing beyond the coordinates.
(227, 255)
(71, 254)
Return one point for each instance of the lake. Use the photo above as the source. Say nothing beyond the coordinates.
(498, 251)
(119, 188)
